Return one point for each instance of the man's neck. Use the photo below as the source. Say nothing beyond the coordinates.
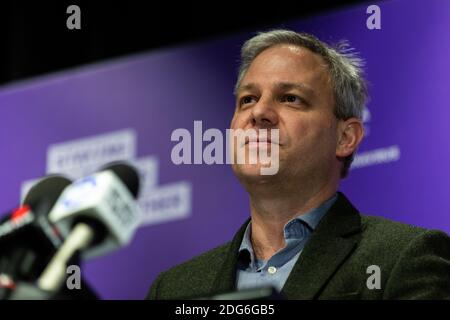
(270, 215)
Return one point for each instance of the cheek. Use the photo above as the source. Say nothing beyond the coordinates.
(299, 131)
(233, 122)
(238, 121)
(312, 134)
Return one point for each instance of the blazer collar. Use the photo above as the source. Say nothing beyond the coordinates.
(333, 240)
(226, 278)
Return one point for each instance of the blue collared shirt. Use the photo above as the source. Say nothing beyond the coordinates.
(253, 273)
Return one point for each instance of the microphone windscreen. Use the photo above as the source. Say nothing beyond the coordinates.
(127, 174)
(48, 188)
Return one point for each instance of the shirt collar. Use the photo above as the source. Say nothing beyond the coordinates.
(313, 216)
(297, 228)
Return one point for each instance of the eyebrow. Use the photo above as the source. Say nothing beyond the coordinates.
(295, 85)
(245, 87)
(281, 86)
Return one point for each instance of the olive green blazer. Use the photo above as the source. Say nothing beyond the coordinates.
(414, 263)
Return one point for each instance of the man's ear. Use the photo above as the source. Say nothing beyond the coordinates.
(350, 134)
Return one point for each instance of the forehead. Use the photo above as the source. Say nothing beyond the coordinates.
(288, 63)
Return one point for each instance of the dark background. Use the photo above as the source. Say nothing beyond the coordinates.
(35, 40)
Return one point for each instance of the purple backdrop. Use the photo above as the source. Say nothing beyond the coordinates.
(400, 172)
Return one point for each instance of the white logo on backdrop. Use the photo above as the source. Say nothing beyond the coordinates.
(79, 158)
(374, 156)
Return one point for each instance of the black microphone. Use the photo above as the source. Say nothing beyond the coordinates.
(97, 214)
(27, 237)
(257, 293)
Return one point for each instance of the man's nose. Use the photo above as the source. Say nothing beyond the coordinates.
(264, 114)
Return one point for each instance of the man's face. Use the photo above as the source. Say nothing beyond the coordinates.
(289, 88)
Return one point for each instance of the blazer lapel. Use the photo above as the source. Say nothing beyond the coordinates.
(331, 243)
(226, 277)
(333, 240)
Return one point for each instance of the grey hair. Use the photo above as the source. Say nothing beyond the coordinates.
(344, 65)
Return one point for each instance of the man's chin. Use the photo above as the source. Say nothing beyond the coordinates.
(253, 172)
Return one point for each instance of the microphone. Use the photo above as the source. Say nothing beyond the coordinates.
(96, 214)
(27, 237)
(257, 293)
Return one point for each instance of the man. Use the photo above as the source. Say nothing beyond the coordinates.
(304, 237)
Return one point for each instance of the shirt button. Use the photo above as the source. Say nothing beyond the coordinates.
(272, 270)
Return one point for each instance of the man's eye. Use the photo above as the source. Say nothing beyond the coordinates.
(247, 100)
(291, 98)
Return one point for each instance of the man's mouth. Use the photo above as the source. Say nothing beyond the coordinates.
(259, 140)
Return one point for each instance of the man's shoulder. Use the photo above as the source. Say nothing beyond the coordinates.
(414, 261)
(379, 231)
(373, 223)
(203, 262)
(192, 278)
